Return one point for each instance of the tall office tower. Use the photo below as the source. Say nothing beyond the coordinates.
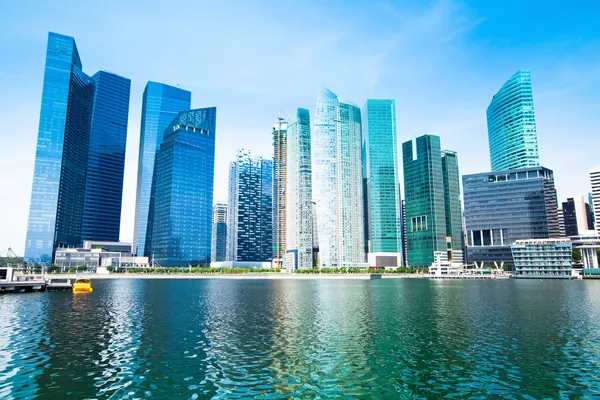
(181, 208)
(502, 207)
(337, 182)
(404, 247)
(106, 158)
(595, 181)
(591, 215)
(219, 232)
(160, 105)
(424, 197)
(452, 202)
(299, 238)
(576, 216)
(381, 183)
(280, 133)
(250, 209)
(75, 116)
(511, 125)
(561, 222)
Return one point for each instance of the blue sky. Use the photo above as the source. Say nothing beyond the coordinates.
(441, 60)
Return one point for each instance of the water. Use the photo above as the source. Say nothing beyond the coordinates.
(308, 339)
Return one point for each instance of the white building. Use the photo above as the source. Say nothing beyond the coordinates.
(299, 211)
(595, 181)
(337, 182)
(587, 242)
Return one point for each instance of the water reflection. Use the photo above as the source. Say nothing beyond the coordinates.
(309, 339)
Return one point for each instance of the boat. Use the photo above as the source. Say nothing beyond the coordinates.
(82, 285)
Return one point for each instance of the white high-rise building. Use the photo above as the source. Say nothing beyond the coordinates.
(299, 211)
(337, 182)
(595, 180)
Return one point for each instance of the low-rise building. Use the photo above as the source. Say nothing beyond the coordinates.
(542, 258)
(587, 243)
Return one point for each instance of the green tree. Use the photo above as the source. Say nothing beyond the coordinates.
(576, 256)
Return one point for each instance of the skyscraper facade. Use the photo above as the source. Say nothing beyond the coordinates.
(452, 202)
(337, 182)
(595, 182)
(424, 201)
(250, 209)
(106, 158)
(72, 123)
(181, 212)
(279, 188)
(160, 105)
(576, 213)
(504, 206)
(219, 233)
(299, 238)
(511, 125)
(382, 191)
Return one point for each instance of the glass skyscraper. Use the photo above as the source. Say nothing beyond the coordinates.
(299, 250)
(337, 182)
(181, 211)
(250, 209)
(595, 195)
(73, 121)
(502, 207)
(160, 105)
(425, 209)
(106, 158)
(279, 188)
(382, 191)
(511, 125)
(219, 233)
(452, 202)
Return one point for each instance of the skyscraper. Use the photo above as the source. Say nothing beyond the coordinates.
(576, 216)
(337, 182)
(504, 206)
(74, 116)
(219, 233)
(454, 219)
(382, 191)
(595, 182)
(279, 188)
(511, 125)
(250, 209)
(424, 199)
(181, 209)
(299, 250)
(160, 105)
(106, 158)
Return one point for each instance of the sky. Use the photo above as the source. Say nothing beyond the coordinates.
(442, 60)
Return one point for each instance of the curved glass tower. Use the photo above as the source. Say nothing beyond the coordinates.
(337, 182)
(511, 125)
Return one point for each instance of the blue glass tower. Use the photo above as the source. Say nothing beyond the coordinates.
(160, 105)
(183, 190)
(106, 158)
(511, 125)
(66, 127)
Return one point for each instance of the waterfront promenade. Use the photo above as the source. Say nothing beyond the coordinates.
(268, 276)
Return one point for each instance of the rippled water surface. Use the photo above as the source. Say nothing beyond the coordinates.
(308, 339)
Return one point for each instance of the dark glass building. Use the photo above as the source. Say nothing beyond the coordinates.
(502, 207)
(106, 158)
(160, 105)
(181, 210)
(250, 209)
(73, 119)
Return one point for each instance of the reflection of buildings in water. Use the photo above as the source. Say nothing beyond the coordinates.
(23, 322)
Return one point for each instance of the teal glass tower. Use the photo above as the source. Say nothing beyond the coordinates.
(381, 180)
(181, 209)
(511, 125)
(454, 227)
(160, 105)
(79, 115)
(424, 198)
